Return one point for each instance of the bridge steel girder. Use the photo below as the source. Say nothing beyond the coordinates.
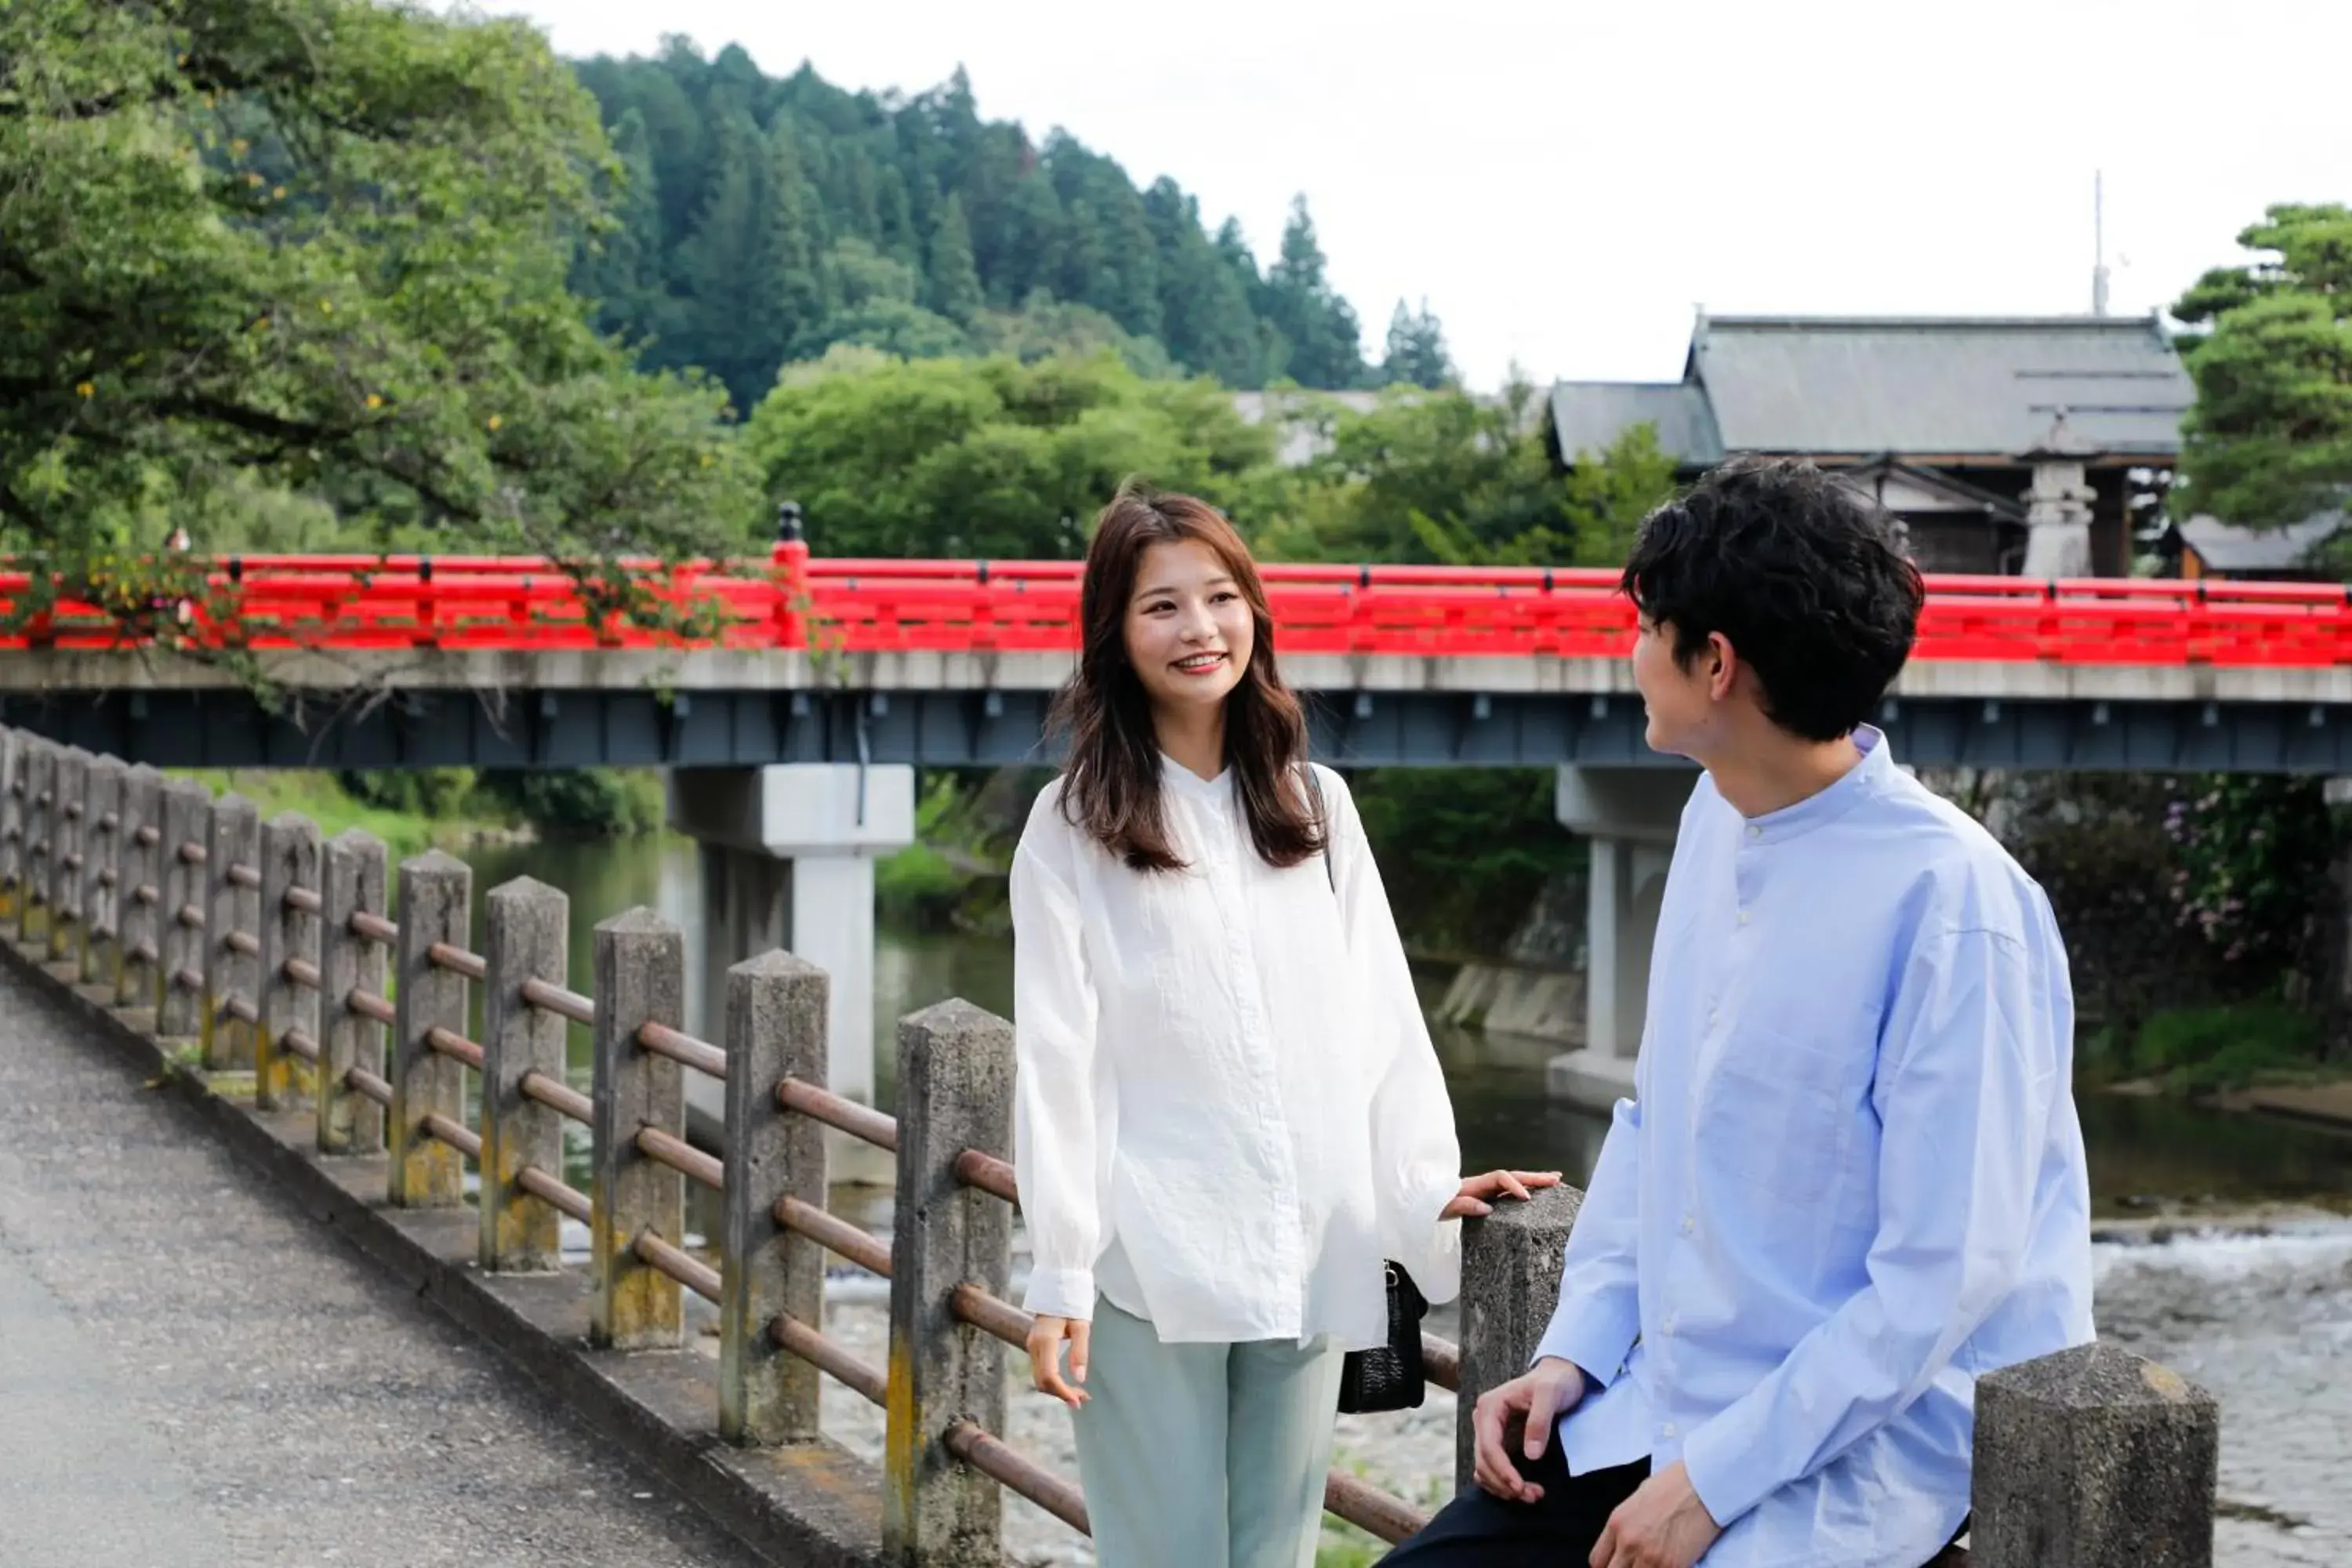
(225, 728)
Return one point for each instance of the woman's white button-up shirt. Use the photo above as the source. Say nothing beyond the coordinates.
(1229, 1111)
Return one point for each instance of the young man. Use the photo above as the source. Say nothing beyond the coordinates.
(1852, 1179)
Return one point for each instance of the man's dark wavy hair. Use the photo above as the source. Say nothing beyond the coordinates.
(1804, 575)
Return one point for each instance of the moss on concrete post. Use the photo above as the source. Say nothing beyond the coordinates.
(290, 854)
(101, 871)
(2093, 1457)
(955, 1093)
(640, 979)
(349, 1122)
(12, 827)
(527, 929)
(179, 1006)
(232, 931)
(1510, 1283)
(776, 1016)
(435, 901)
(40, 796)
(138, 891)
(67, 859)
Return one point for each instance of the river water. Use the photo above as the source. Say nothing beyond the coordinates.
(2224, 1246)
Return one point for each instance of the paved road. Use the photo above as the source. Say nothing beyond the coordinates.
(194, 1375)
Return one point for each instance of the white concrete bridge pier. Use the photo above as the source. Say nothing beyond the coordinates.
(788, 855)
(1629, 815)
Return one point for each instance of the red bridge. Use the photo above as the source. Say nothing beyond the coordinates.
(414, 661)
(798, 604)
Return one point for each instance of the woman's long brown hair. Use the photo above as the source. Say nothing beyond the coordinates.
(1112, 788)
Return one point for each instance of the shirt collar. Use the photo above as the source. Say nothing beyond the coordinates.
(1176, 776)
(1866, 778)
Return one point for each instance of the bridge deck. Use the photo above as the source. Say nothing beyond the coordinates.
(193, 1374)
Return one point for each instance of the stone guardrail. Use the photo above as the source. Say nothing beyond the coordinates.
(245, 944)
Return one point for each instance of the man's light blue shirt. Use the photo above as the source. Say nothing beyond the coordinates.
(1852, 1179)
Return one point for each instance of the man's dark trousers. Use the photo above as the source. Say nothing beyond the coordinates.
(1478, 1529)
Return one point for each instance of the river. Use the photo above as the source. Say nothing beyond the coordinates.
(2224, 1242)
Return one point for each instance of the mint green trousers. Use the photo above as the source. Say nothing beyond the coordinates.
(1205, 1456)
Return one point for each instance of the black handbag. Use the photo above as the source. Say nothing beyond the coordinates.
(1391, 1376)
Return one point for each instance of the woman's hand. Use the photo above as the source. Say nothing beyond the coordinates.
(1478, 1193)
(1045, 1337)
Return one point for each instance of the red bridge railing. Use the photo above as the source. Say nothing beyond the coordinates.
(794, 602)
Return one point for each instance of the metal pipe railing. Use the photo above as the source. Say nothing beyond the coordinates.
(682, 1157)
(683, 1048)
(860, 1121)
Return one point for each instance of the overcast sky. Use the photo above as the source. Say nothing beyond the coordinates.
(1565, 180)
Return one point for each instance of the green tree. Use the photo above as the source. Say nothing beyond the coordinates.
(1323, 341)
(1059, 223)
(622, 272)
(791, 303)
(1416, 352)
(1610, 492)
(1443, 476)
(955, 291)
(721, 264)
(376, 316)
(897, 456)
(1204, 303)
(1044, 327)
(2270, 439)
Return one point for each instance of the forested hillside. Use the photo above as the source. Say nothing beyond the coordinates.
(764, 220)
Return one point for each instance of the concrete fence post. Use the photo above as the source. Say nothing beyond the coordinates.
(2093, 1457)
(67, 856)
(527, 929)
(955, 1093)
(232, 931)
(775, 1029)
(1510, 1283)
(11, 826)
(289, 864)
(436, 902)
(41, 798)
(640, 978)
(101, 872)
(139, 888)
(180, 1001)
(349, 1121)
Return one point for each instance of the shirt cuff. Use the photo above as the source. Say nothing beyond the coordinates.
(1061, 1293)
(1436, 1264)
(1585, 1337)
(1728, 1469)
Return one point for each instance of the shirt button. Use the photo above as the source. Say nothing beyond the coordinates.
(1667, 1430)
(1713, 1014)
(1669, 1324)
(1743, 916)
(1755, 833)
(1689, 1225)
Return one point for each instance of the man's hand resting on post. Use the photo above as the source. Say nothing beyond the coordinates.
(1538, 1397)
(1663, 1525)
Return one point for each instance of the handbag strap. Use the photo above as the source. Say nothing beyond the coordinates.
(1323, 821)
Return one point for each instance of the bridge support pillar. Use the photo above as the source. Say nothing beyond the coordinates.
(1628, 815)
(788, 857)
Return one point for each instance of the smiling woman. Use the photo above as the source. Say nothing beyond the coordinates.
(1178, 660)
(1232, 1137)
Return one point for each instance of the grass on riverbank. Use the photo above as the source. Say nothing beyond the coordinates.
(322, 798)
(2207, 1050)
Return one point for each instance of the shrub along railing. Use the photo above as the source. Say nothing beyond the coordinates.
(258, 943)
